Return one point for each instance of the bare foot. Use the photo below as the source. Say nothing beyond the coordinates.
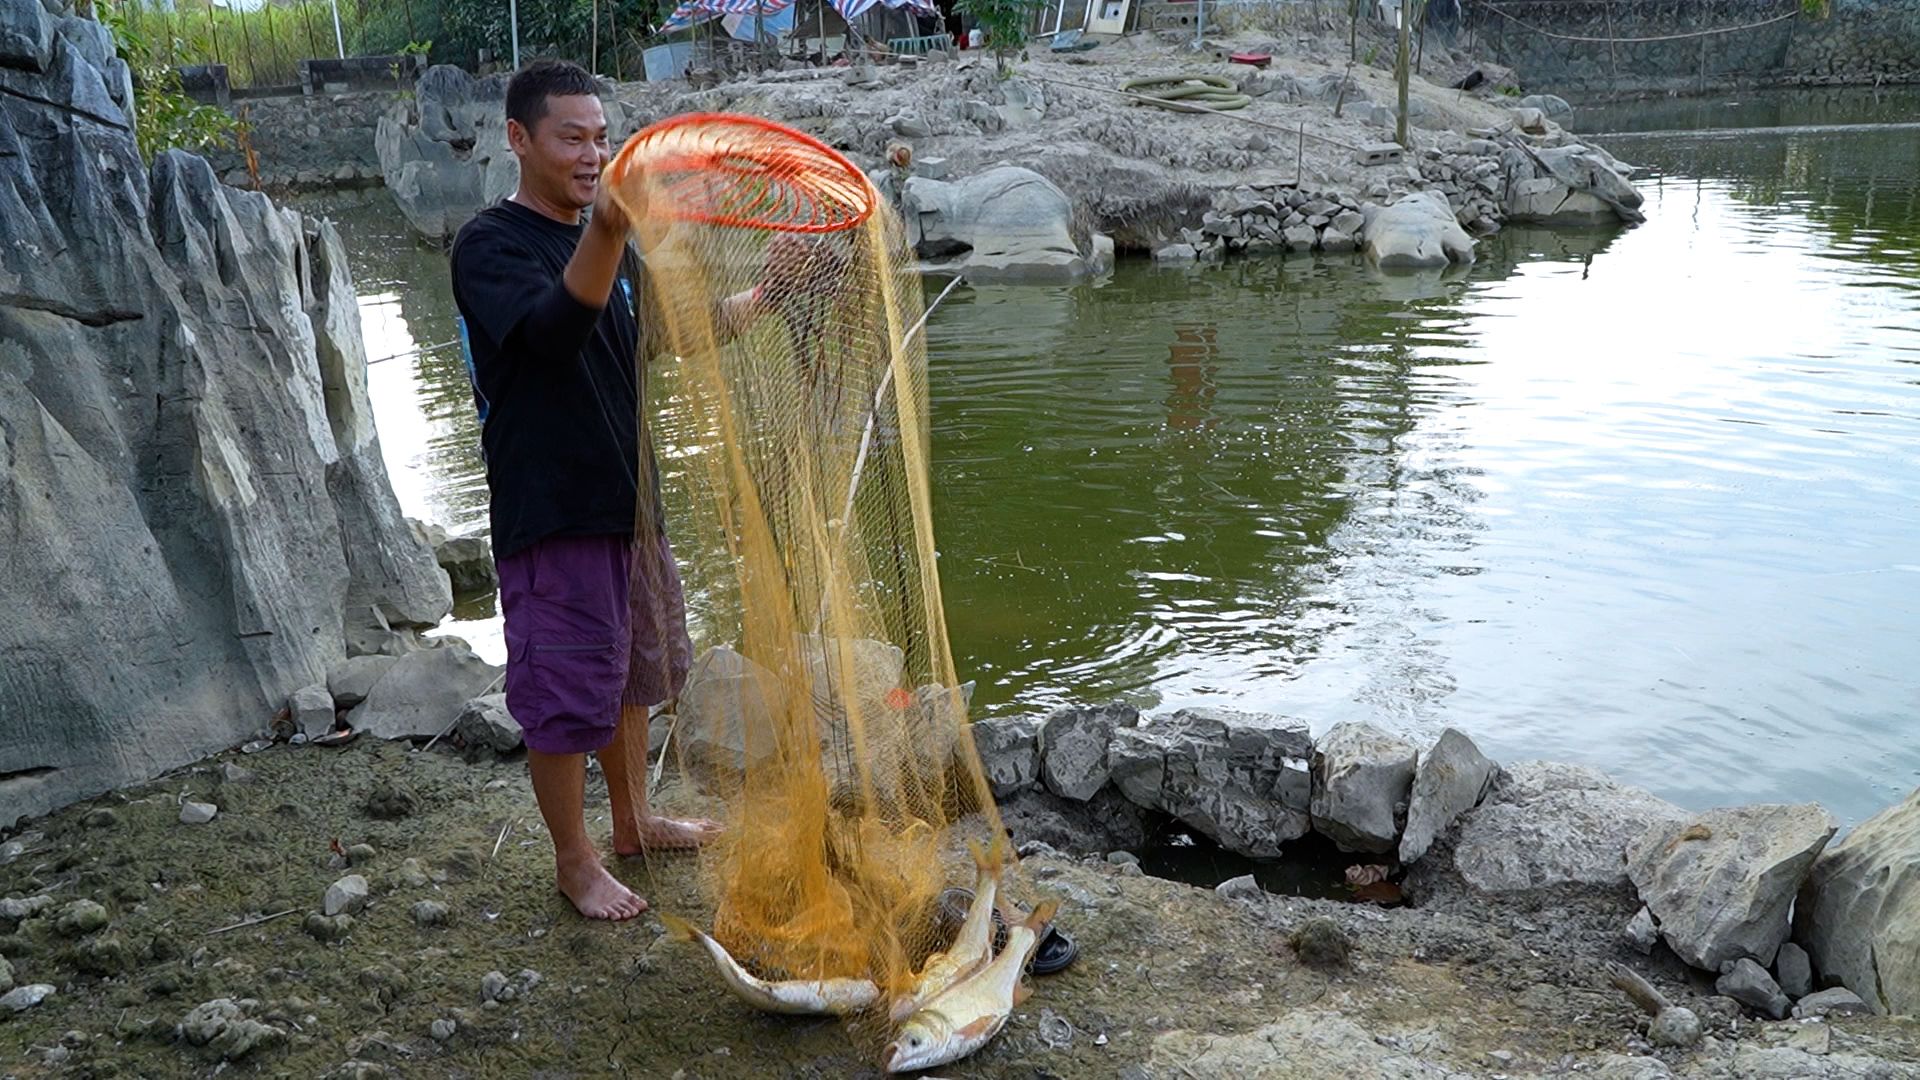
(596, 893)
(653, 833)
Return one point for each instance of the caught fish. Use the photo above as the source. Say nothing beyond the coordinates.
(973, 1011)
(792, 997)
(972, 946)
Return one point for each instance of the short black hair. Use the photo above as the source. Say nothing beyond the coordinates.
(531, 86)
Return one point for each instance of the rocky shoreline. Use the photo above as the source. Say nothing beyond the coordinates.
(359, 911)
(1042, 176)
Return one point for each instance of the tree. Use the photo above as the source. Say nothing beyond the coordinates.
(1005, 23)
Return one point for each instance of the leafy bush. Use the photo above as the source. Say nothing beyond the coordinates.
(164, 117)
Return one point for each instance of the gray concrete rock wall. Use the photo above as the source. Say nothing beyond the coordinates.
(1657, 45)
(192, 497)
(304, 142)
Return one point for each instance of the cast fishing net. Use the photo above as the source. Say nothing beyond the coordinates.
(824, 713)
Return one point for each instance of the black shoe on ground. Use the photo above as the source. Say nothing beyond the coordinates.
(1055, 952)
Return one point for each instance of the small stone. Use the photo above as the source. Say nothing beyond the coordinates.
(6, 975)
(1123, 858)
(328, 927)
(1676, 1027)
(348, 895)
(312, 710)
(442, 1030)
(1793, 970)
(1056, 1032)
(495, 987)
(11, 850)
(430, 913)
(197, 813)
(1500, 1057)
(1838, 1001)
(1243, 887)
(412, 874)
(22, 998)
(1320, 943)
(103, 818)
(20, 909)
(360, 854)
(1749, 984)
(236, 774)
(389, 802)
(1641, 933)
(909, 126)
(1176, 253)
(80, 918)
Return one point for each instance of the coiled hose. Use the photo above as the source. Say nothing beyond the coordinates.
(1214, 93)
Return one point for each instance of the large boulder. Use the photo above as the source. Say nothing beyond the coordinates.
(468, 561)
(1858, 915)
(1241, 780)
(1450, 780)
(1417, 232)
(1009, 751)
(1361, 782)
(1549, 832)
(1073, 747)
(352, 679)
(1106, 822)
(1719, 885)
(485, 724)
(1012, 223)
(191, 489)
(443, 151)
(1568, 185)
(724, 722)
(424, 692)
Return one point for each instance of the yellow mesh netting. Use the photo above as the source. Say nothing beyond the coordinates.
(824, 713)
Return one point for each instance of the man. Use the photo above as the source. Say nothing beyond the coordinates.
(595, 619)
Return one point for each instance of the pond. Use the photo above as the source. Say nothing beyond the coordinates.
(1646, 499)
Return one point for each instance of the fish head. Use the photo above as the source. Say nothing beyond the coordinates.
(920, 1043)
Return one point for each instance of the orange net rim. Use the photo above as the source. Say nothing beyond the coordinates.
(811, 173)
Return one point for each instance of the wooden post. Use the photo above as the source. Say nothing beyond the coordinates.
(1402, 71)
(613, 35)
(593, 54)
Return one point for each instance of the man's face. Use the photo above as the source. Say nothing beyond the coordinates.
(565, 150)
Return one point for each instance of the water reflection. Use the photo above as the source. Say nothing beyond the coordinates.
(1640, 498)
(1192, 362)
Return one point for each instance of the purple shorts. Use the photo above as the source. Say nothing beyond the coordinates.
(592, 623)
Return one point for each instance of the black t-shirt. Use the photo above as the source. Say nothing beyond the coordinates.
(558, 380)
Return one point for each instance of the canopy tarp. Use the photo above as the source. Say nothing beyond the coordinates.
(692, 12)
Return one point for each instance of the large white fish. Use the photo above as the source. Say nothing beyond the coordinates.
(972, 947)
(793, 997)
(973, 1011)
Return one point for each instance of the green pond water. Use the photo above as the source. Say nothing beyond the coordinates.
(1647, 499)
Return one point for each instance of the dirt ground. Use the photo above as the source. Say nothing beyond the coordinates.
(1172, 981)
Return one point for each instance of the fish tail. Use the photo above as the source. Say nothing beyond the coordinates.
(1042, 916)
(986, 859)
(678, 928)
